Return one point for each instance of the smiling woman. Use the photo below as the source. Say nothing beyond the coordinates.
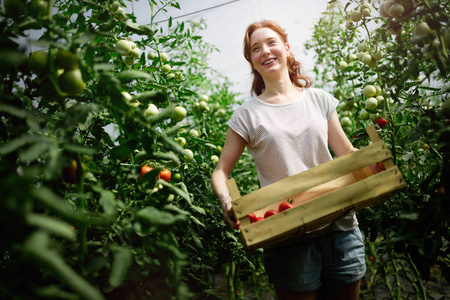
(276, 38)
(290, 125)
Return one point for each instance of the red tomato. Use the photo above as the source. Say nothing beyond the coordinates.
(284, 206)
(270, 213)
(382, 122)
(259, 219)
(144, 170)
(165, 175)
(252, 218)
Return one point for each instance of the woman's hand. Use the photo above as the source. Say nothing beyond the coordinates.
(228, 216)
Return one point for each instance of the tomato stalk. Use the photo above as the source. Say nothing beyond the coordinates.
(422, 289)
(398, 285)
(387, 111)
(83, 209)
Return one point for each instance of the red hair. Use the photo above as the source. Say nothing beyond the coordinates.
(294, 66)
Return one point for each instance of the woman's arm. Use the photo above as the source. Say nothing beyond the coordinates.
(231, 152)
(337, 139)
(341, 145)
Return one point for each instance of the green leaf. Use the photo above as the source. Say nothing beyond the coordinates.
(76, 148)
(33, 152)
(152, 215)
(15, 144)
(51, 225)
(130, 75)
(37, 248)
(176, 190)
(120, 152)
(140, 29)
(123, 260)
(14, 111)
(107, 200)
(150, 96)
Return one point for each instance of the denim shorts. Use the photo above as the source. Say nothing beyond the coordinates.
(335, 258)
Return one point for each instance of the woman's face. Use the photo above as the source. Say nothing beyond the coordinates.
(268, 52)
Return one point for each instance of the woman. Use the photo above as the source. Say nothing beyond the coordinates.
(287, 127)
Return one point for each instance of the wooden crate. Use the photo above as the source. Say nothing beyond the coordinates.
(320, 195)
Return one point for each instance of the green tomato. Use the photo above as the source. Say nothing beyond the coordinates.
(181, 141)
(371, 103)
(396, 10)
(151, 110)
(345, 122)
(369, 91)
(221, 112)
(38, 62)
(203, 105)
(188, 155)
(343, 106)
(14, 8)
(126, 96)
(342, 65)
(214, 159)
(364, 114)
(66, 59)
(356, 16)
(377, 55)
(176, 177)
(135, 52)
(362, 47)
(352, 57)
(423, 30)
(164, 57)
(115, 5)
(366, 59)
(71, 82)
(374, 117)
(194, 133)
(121, 14)
(129, 60)
(151, 55)
(123, 47)
(166, 68)
(38, 8)
(366, 12)
(179, 113)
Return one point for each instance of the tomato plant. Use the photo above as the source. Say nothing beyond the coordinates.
(101, 101)
(397, 75)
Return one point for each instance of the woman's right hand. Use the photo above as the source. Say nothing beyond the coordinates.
(228, 216)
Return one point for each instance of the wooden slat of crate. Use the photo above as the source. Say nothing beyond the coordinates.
(320, 174)
(322, 210)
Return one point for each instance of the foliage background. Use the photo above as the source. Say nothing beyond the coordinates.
(79, 223)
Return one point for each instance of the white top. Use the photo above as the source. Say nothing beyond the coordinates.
(289, 138)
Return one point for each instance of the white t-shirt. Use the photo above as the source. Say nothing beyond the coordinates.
(289, 138)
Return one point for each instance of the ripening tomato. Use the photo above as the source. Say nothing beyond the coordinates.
(270, 213)
(382, 122)
(165, 175)
(284, 205)
(252, 217)
(144, 170)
